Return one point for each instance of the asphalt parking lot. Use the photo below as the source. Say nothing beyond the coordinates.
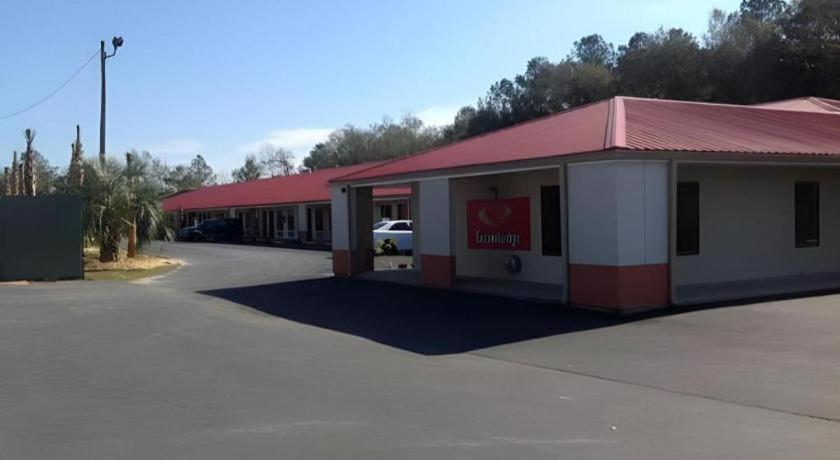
(256, 352)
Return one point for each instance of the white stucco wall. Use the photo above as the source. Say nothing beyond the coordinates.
(415, 215)
(747, 227)
(340, 218)
(301, 218)
(435, 217)
(490, 263)
(618, 213)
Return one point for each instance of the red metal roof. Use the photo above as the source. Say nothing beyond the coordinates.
(625, 123)
(582, 129)
(657, 125)
(282, 190)
(805, 104)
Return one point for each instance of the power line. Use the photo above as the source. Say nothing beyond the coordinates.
(52, 93)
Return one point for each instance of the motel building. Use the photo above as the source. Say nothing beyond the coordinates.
(625, 204)
(282, 208)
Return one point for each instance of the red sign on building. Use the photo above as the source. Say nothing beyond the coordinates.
(499, 224)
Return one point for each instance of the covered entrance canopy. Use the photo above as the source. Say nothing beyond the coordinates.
(587, 201)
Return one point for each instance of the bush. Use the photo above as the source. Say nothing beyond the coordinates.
(387, 247)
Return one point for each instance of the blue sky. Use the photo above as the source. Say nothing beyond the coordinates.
(221, 77)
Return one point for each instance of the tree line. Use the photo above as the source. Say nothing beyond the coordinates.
(766, 50)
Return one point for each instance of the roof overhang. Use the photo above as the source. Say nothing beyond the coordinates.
(604, 155)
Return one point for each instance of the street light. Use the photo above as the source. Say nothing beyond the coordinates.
(116, 42)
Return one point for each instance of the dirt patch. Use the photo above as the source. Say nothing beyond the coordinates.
(127, 269)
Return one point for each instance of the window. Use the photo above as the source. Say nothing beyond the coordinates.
(552, 241)
(807, 214)
(402, 211)
(688, 218)
(400, 227)
(319, 219)
(385, 211)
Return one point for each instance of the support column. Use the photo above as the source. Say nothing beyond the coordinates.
(302, 223)
(352, 230)
(437, 248)
(414, 203)
(361, 229)
(619, 234)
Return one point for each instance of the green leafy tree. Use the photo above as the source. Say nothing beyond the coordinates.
(251, 170)
(812, 31)
(321, 156)
(380, 141)
(189, 177)
(594, 50)
(667, 64)
(47, 177)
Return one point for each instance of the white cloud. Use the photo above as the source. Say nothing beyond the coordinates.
(438, 115)
(299, 140)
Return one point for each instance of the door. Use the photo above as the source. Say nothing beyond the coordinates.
(319, 223)
(308, 224)
(271, 225)
(286, 227)
(264, 224)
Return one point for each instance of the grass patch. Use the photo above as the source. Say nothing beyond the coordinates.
(142, 266)
(128, 275)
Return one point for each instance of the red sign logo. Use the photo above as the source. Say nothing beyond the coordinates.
(499, 224)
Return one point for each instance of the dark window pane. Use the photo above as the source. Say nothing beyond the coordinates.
(807, 214)
(688, 218)
(400, 226)
(552, 241)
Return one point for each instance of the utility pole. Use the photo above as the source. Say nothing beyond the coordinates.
(116, 42)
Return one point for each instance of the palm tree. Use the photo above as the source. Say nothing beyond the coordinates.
(121, 200)
(76, 172)
(13, 180)
(29, 164)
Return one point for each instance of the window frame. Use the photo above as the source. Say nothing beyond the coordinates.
(695, 249)
(546, 226)
(798, 243)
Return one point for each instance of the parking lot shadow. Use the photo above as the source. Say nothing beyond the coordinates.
(424, 321)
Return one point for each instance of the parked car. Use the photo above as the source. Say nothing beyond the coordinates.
(228, 229)
(397, 230)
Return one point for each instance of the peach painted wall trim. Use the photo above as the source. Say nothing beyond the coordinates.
(622, 288)
(341, 262)
(437, 271)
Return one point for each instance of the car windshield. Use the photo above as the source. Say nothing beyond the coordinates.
(379, 225)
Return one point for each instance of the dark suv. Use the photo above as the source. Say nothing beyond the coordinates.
(228, 229)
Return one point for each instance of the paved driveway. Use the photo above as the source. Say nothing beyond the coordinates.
(257, 353)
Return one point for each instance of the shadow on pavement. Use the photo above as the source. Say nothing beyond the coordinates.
(419, 320)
